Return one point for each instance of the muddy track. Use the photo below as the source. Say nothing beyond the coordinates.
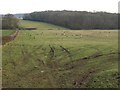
(96, 55)
(92, 56)
(51, 61)
(67, 51)
(51, 52)
(83, 81)
(80, 62)
(6, 39)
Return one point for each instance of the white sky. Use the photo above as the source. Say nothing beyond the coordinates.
(27, 6)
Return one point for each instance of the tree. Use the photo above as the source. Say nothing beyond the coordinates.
(9, 21)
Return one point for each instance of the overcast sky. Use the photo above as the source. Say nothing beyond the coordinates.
(27, 6)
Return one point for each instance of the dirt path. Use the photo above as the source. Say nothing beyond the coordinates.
(7, 39)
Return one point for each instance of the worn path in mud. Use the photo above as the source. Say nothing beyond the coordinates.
(9, 38)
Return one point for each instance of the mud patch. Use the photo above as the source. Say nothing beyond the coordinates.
(82, 82)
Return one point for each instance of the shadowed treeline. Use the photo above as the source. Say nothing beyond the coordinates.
(76, 19)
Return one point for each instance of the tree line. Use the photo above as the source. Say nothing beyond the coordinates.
(76, 19)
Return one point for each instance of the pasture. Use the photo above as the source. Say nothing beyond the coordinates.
(7, 32)
(40, 25)
(45, 58)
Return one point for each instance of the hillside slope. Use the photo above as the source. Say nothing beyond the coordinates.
(61, 58)
(41, 25)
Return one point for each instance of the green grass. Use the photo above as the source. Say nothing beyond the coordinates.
(7, 32)
(40, 25)
(61, 58)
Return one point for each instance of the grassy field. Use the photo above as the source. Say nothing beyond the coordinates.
(7, 32)
(46, 58)
(40, 25)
